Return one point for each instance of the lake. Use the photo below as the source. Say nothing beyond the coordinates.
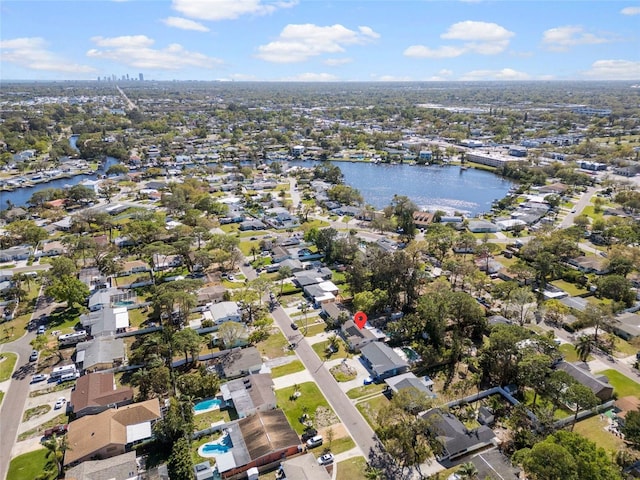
(431, 188)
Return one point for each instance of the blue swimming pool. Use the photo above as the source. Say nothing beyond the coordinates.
(222, 445)
(206, 405)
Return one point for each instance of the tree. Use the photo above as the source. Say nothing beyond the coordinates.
(188, 341)
(68, 289)
(56, 448)
(617, 288)
(555, 312)
(521, 303)
(549, 461)
(533, 370)
(26, 231)
(582, 398)
(467, 471)
(230, 333)
(403, 209)
(631, 427)
(284, 272)
(117, 169)
(599, 317)
(108, 189)
(180, 464)
(62, 266)
(585, 346)
(177, 423)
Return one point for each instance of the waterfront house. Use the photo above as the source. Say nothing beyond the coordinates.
(111, 432)
(96, 392)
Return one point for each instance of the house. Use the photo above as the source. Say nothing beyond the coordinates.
(6, 275)
(293, 264)
(96, 392)
(331, 311)
(456, 439)
(625, 405)
(252, 225)
(100, 353)
(250, 394)
(106, 322)
(203, 471)
(92, 278)
(13, 254)
(482, 226)
(109, 297)
(224, 312)
(600, 386)
(303, 467)
(382, 360)
(164, 262)
(322, 292)
(14, 213)
(409, 380)
(280, 254)
(586, 264)
(120, 467)
(210, 294)
(239, 362)
(422, 219)
(626, 325)
(111, 432)
(356, 337)
(133, 267)
(52, 249)
(265, 438)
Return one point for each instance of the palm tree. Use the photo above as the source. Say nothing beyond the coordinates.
(56, 447)
(584, 347)
(374, 473)
(467, 471)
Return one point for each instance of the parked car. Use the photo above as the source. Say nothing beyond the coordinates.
(294, 326)
(39, 377)
(368, 381)
(57, 430)
(60, 403)
(326, 459)
(34, 356)
(41, 330)
(310, 433)
(315, 441)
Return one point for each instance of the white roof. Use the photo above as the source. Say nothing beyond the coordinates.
(225, 461)
(328, 286)
(139, 431)
(122, 317)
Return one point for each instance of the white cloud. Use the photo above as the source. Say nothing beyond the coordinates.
(184, 24)
(136, 51)
(227, 9)
(445, 72)
(336, 62)
(311, 77)
(484, 38)
(297, 43)
(559, 39)
(32, 53)
(630, 11)
(614, 70)
(392, 78)
(504, 74)
(445, 51)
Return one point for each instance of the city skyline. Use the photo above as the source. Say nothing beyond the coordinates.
(320, 41)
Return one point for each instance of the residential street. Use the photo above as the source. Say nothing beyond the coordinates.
(357, 426)
(16, 395)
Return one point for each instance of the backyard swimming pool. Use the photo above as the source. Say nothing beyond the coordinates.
(207, 405)
(221, 445)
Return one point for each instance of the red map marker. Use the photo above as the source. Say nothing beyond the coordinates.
(360, 318)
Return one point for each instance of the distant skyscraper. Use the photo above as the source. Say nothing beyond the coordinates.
(141, 77)
(127, 77)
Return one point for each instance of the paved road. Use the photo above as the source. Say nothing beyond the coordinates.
(16, 396)
(578, 207)
(359, 429)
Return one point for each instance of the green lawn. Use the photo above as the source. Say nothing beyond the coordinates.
(14, 329)
(570, 288)
(351, 468)
(370, 408)
(365, 390)
(338, 445)
(541, 401)
(7, 365)
(274, 346)
(1, 397)
(593, 428)
(39, 430)
(313, 329)
(622, 385)
(204, 420)
(321, 350)
(137, 316)
(310, 399)
(291, 367)
(569, 353)
(29, 466)
(64, 319)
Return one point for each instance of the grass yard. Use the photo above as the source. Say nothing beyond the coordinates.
(246, 246)
(541, 401)
(7, 364)
(569, 353)
(370, 408)
(1, 396)
(622, 385)
(29, 466)
(366, 390)
(321, 350)
(312, 329)
(593, 428)
(204, 420)
(275, 346)
(35, 412)
(63, 319)
(351, 468)
(14, 329)
(39, 430)
(308, 402)
(338, 445)
(624, 348)
(287, 369)
(137, 316)
(570, 288)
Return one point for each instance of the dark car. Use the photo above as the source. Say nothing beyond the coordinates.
(57, 430)
(310, 433)
(294, 326)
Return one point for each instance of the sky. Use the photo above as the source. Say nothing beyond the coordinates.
(316, 40)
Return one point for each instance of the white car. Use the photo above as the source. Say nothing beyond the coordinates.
(326, 459)
(60, 403)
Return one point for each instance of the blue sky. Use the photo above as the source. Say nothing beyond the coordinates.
(314, 40)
